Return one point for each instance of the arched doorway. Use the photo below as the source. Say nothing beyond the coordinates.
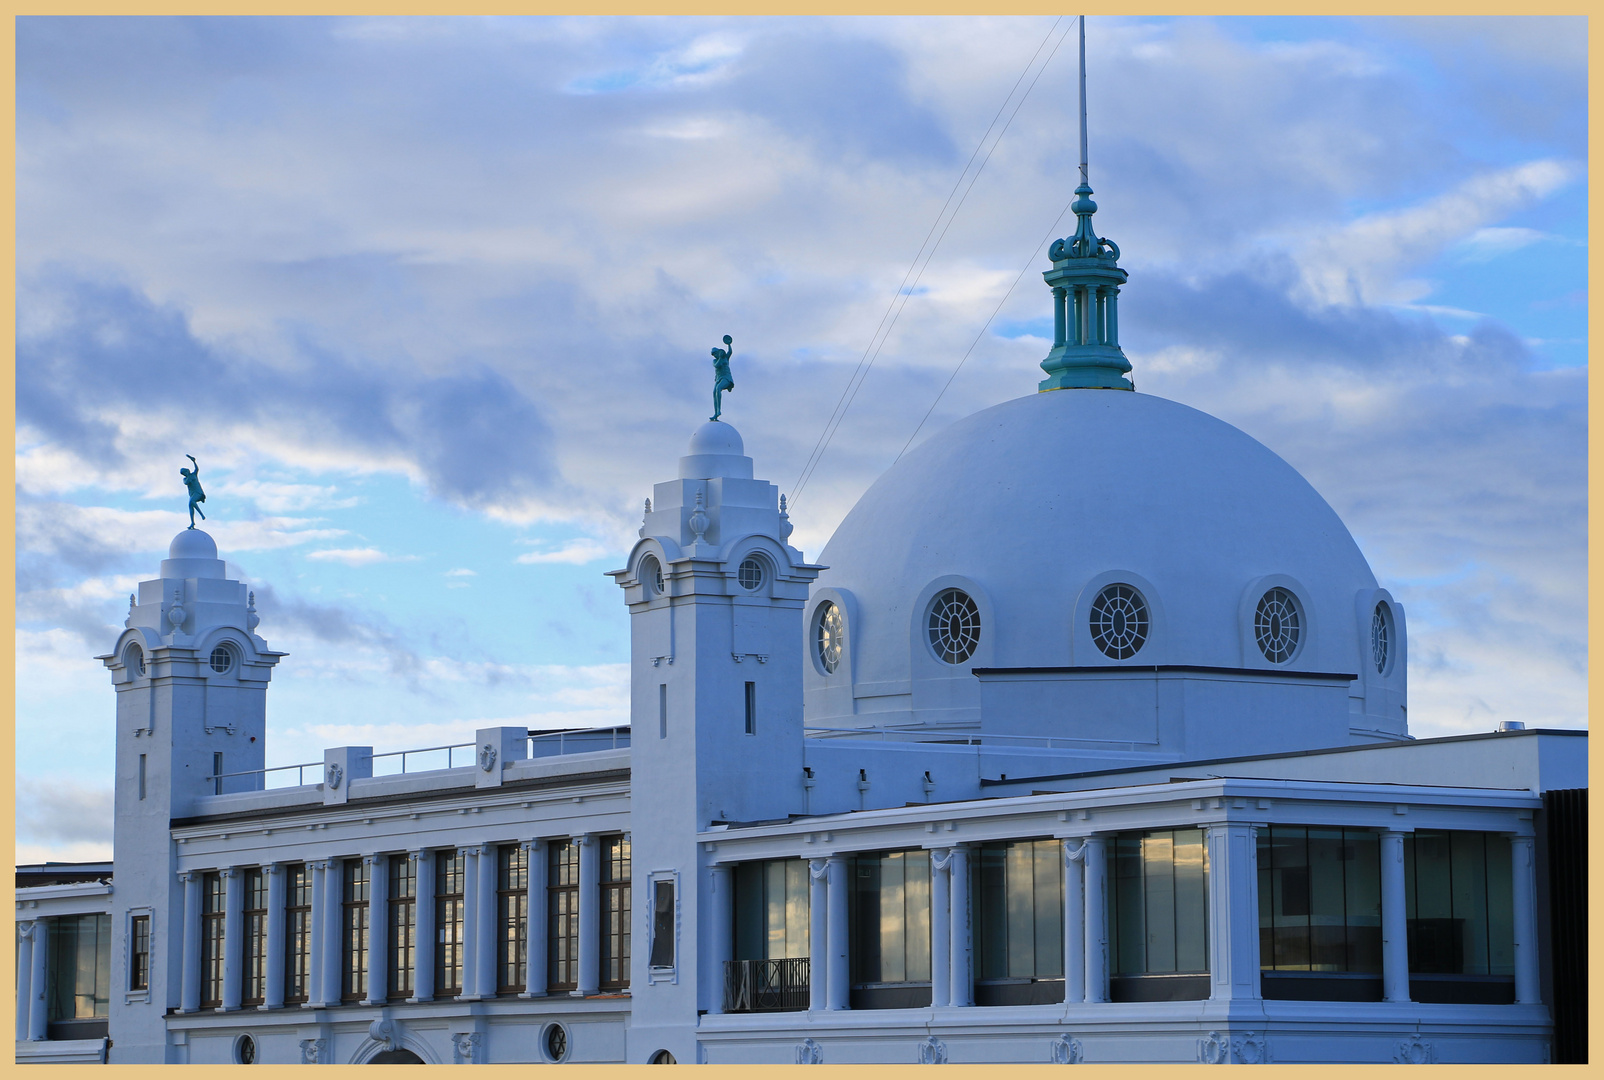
(398, 1056)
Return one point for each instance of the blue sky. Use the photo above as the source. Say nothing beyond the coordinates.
(431, 302)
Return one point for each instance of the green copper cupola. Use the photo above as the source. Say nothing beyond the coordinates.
(1085, 280)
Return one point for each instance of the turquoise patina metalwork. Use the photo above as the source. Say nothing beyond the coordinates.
(196, 495)
(722, 380)
(1085, 280)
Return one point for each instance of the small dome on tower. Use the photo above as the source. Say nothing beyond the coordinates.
(716, 437)
(192, 544)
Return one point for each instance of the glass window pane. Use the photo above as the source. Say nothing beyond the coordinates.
(916, 892)
(1328, 947)
(1266, 866)
(1191, 901)
(797, 903)
(1158, 881)
(1500, 907)
(747, 899)
(1289, 851)
(1468, 865)
(893, 928)
(1049, 960)
(1129, 931)
(989, 908)
(1020, 893)
(1362, 885)
(774, 907)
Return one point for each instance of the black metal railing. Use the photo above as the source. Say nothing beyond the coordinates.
(766, 985)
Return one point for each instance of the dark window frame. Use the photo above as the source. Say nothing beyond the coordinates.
(297, 933)
(562, 915)
(355, 895)
(450, 900)
(139, 952)
(214, 916)
(253, 921)
(615, 900)
(512, 919)
(401, 937)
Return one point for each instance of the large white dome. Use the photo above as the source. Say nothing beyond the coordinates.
(1037, 505)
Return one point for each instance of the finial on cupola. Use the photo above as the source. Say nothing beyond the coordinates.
(1085, 280)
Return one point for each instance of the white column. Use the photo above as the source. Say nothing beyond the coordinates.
(378, 929)
(1523, 867)
(319, 916)
(818, 934)
(840, 971)
(1094, 869)
(1074, 921)
(423, 947)
(940, 928)
(962, 947)
(273, 943)
(589, 976)
(485, 939)
(24, 975)
(470, 923)
(39, 983)
(189, 1000)
(535, 958)
(721, 928)
(333, 932)
(233, 937)
(1394, 920)
(1233, 890)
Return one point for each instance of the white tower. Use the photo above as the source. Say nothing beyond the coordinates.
(715, 598)
(191, 679)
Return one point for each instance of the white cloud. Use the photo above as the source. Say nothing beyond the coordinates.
(461, 572)
(365, 556)
(577, 552)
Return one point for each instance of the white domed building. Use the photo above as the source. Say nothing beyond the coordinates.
(1085, 740)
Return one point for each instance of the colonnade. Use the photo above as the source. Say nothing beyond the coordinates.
(1086, 315)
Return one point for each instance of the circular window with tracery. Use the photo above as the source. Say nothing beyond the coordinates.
(1278, 625)
(245, 1050)
(954, 624)
(829, 637)
(1119, 622)
(556, 1042)
(222, 659)
(750, 575)
(1380, 638)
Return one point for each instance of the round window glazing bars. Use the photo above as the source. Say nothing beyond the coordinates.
(245, 1050)
(651, 575)
(134, 660)
(1119, 622)
(954, 624)
(556, 1042)
(222, 659)
(750, 575)
(1278, 625)
(1380, 638)
(828, 637)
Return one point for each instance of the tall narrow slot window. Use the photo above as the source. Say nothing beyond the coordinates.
(212, 916)
(139, 952)
(751, 708)
(141, 776)
(354, 932)
(615, 912)
(662, 710)
(217, 773)
(1019, 925)
(297, 933)
(889, 925)
(402, 939)
(662, 955)
(1160, 916)
(562, 915)
(450, 874)
(512, 918)
(253, 986)
(1320, 913)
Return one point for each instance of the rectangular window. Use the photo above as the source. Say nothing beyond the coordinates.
(354, 932)
(253, 982)
(1019, 911)
(79, 958)
(770, 904)
(217, 773)
(401, 941)
(1160, 903)
(1319, 900)
(141, 776)
(662, 710)
(751, 708)
(139, 952)
(512, 918)
(450, 875)
(1457, 888)
(662, 924)
(562, 915)
(212, 924)
(297, 933)
(614, 912)
(889, 924)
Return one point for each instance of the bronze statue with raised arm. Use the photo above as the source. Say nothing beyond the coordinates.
(196, 495)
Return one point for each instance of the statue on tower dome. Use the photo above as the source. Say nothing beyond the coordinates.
(196, 495)
(722, 380)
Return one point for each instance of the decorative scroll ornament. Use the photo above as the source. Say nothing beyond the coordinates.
(1067, 1050)
(1248, 1048)
(940, 857)
(463, 1043)
(809, 1052)
(819, 869)
(312, 1050)
(487, 757)
(383, 1032)
(1413, 1051)
(1075, 854)
(932, 1051)
(334, 775)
